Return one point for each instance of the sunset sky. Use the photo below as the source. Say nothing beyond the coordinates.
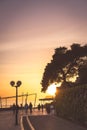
(30, 30)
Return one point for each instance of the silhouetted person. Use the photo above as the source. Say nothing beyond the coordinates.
(39, 107)
(14, 108)
(52, 108)
(26, 108)
(30, 107)
(48, 108)
(21, 106)
(42, 107)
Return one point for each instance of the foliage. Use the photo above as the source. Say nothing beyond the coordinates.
(71, 103)
(64, 65)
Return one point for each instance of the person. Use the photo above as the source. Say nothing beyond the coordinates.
(30, 107)
(52, 108)
(48, 108)
(21, 107)
(39, 107)
(42, 106)
(14, 108)
(26, 108)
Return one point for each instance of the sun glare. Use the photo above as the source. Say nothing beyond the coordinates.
(52, 89)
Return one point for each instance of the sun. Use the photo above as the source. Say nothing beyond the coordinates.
(52, 88)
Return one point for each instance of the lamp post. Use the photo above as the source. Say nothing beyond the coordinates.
(12, 83)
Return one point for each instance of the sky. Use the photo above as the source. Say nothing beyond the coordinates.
(30, 30)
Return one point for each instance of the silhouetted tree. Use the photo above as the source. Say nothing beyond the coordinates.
(64, 65)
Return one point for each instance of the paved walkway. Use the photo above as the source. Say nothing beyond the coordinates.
(7, 121)
(42, 121)
(35, 121)
(49, 122)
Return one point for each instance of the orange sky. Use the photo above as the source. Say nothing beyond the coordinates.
(29, 32)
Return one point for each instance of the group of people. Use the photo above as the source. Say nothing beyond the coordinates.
(40, 107)
(26, 107)
(50, 108)
(30, 106)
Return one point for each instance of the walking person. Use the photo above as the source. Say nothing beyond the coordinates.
(39, 107)
(14, 108)
(30, 107)
(42, 107)
(26, 108)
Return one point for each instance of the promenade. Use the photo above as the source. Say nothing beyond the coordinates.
(7, 121)
(35, 121)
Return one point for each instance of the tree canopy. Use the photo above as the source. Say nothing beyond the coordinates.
(64, 66)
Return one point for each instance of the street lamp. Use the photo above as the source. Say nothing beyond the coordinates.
(16, 85)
